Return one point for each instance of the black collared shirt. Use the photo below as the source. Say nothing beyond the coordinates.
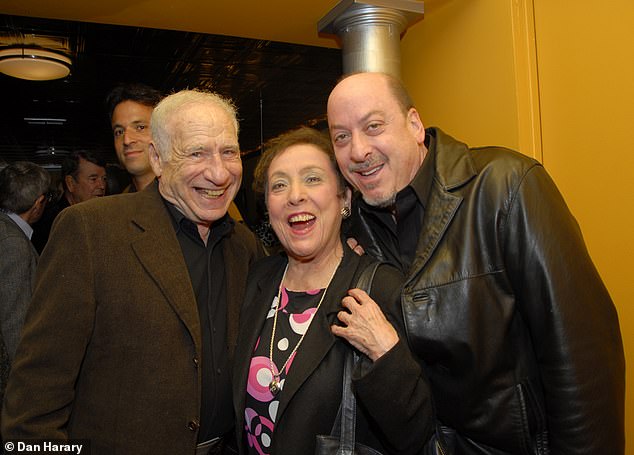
(401, 224)
(207, 273)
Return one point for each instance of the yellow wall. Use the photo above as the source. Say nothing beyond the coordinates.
(586, 71)
(458, 64)
(461, 65)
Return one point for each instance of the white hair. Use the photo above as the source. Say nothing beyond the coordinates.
(171, 104)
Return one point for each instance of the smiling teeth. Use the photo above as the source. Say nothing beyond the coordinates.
(365, 174)
(300, 218)
(213, 193)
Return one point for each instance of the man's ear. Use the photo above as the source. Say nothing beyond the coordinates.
(35, 212)
(40, 204)
(70, 183)
(416, 125)
(347, 197)
(155, 160)
(41, 200)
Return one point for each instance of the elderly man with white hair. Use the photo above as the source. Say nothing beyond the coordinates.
(129, 338)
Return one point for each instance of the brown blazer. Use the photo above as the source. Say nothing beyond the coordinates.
(111, 341)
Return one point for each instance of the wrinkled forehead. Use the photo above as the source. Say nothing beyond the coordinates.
(203, 118)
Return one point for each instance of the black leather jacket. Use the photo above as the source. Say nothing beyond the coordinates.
(507, 313)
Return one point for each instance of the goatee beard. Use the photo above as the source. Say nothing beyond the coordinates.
(382, 202)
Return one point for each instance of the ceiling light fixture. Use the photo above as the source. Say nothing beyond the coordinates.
(33, 63)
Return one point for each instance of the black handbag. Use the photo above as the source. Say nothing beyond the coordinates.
(341, 440)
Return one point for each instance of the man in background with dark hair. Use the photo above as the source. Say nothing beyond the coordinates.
(83, 177)
(130, 107)
(23, 195)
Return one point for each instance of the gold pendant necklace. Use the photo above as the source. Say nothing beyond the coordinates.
(274, 385)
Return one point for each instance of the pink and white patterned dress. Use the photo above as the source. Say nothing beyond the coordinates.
(296, 312)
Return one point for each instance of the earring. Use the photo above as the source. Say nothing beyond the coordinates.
(345, 212)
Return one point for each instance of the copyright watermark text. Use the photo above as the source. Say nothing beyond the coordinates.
(71, 447)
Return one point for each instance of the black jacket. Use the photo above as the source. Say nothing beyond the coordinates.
(505, 309)
(387, 410)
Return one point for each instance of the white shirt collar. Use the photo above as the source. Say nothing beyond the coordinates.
(26, 227)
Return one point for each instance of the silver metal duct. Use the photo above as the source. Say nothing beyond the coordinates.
(370, 32)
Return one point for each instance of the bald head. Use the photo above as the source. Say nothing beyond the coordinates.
(394, 86)
(377, 135)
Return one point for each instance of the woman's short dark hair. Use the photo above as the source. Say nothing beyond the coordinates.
(301, 135)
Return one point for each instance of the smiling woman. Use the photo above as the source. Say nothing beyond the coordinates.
(291, 302)
(305, 203)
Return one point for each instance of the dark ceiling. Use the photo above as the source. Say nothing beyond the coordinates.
(276, 86)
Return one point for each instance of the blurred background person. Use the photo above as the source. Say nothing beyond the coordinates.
(23, 196)
(130, 108)
(288, 370)
(83, 177)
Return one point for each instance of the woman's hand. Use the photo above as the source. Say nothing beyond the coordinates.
(366, 327)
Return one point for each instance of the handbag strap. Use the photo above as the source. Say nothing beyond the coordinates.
(348, 408)
(364, 282)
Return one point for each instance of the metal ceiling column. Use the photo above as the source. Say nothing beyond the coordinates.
(370, 32)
